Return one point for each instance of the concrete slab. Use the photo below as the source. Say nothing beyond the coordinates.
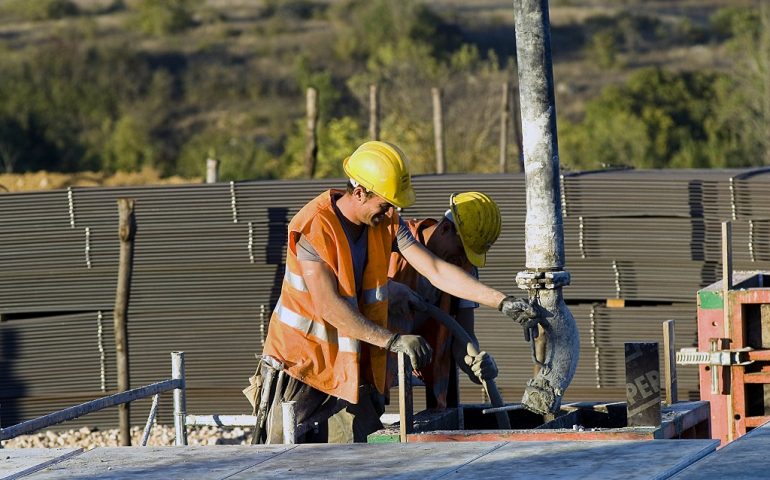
(220, 461)
(17, 462)
(627, 460)
(420, 461)
(362, 461)
(744, 458)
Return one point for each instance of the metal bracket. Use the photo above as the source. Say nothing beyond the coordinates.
(719, 358)
(714, 358)
(531, 280)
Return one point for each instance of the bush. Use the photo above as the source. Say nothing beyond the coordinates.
(164, 17)
(365, 26)
(735, 21)
(658, 119)
(40, 9)
(241, 157)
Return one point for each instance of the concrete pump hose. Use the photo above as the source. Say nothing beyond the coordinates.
(459, 332)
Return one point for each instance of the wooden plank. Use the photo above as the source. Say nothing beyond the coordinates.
(743, 458)
(669, 353)
(219, 461)
(20, 462)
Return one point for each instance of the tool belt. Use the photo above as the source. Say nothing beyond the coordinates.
(264, 384)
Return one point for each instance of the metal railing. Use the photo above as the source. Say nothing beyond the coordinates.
(176, 383)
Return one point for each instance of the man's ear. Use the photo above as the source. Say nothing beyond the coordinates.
(359, 193)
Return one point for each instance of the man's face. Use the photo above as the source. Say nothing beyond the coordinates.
(445, 243)
(374, 210)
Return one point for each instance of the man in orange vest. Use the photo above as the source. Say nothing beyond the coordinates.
(328, 334)
(461, 237)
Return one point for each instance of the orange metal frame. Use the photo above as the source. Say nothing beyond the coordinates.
(734, 379)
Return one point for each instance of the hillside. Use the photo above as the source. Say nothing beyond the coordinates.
(121, 85)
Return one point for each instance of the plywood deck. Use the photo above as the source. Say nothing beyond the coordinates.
(631, 460)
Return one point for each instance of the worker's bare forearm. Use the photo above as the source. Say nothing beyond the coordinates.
(451, 278)
(351, 323)
(333, 308)
(456, 281)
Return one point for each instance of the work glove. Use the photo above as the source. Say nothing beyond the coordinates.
(414, 346)
(482, 365)
(524, 313)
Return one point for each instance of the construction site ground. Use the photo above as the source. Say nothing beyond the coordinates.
(656, 459)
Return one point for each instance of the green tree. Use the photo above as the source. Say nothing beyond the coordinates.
(741, 126)
(337, 138)
(129, 147)
(657, 119)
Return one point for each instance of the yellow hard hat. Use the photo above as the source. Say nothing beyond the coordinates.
(382, 168)
(478, 222)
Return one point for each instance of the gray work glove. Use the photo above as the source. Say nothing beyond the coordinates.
(414, 346)
(523, 313)
(482, 365)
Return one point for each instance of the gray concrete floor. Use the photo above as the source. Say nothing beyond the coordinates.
(655, 459)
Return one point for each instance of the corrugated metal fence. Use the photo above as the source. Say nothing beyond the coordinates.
(208, 265)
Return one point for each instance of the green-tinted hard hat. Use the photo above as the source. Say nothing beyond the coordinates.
(478, 222)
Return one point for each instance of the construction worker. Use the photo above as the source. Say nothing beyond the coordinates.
(461, 237)
(328, 335)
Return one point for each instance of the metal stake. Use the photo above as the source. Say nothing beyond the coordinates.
(180, 401)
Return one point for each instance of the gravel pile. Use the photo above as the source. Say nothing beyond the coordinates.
(88, 438)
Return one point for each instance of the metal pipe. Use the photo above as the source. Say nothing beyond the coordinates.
(289, 422)
(150, 420)
(88, 407)
(221, 420)
(180, 402)
(544, 236)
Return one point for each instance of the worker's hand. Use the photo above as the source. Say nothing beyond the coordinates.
(482, 365)
(524, 313)
(414, 346)
(400, 295)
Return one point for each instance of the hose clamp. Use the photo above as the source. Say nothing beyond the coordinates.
(533, 280)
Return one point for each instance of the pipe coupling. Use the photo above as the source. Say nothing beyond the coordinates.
(533, 280)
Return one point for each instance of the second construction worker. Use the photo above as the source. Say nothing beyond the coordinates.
(461, 237)
(328, 341)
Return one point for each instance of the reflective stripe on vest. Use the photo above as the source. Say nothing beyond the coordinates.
(296, 281)
(318, 330)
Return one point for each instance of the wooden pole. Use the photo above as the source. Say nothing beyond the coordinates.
(405, 402)
(505, 108)
(374, 112)
(126, 231)
(516, 123)
(212, 170)
(669, 352)
(438, 129)
(311, 148)
(727, 285)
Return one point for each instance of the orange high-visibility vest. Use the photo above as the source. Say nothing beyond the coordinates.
(437, 373)
(312, 349)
